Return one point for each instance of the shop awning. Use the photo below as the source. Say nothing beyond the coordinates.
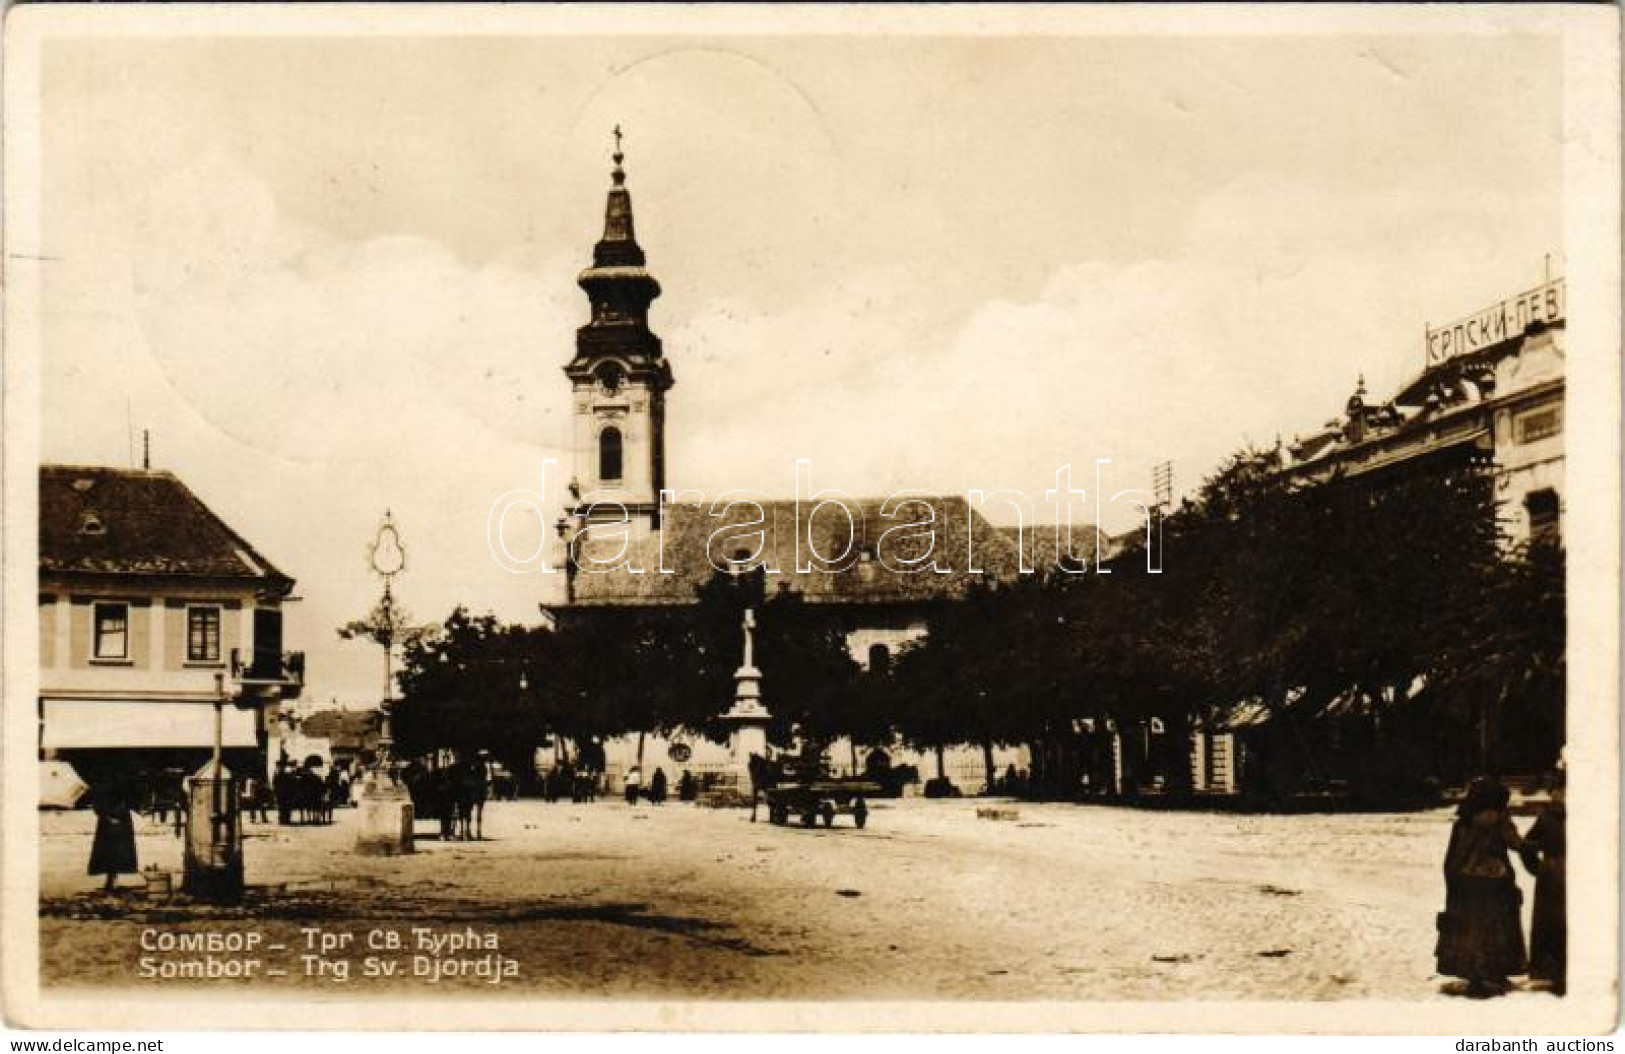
(85, 724)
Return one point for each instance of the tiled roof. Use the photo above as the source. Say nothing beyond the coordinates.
(694, 543)
(342, 728)
(99, 520)
(1046, 544)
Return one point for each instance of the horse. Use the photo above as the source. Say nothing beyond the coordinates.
(169, 795)
(430, 791)
(505, 786)
(311, 797)
(470, 786)
(442, 801)
(763, 775)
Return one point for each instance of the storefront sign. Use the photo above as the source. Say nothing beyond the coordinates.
(1503, 321)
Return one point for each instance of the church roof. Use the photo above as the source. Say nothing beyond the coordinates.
(1046, 545)
(853, 565)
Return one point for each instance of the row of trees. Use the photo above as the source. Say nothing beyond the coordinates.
(1377, 630)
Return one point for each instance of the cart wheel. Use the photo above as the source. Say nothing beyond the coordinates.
(860, 813)
(827, 811)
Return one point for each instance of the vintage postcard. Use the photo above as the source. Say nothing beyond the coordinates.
(1024, 518)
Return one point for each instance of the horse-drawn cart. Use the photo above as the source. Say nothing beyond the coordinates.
(820, 799)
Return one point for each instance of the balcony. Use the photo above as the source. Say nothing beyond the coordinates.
(281, 673)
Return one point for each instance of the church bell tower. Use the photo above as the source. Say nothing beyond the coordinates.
(618, 378)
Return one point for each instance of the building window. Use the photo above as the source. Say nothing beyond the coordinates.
(267, 644)
(1545, 515)
(203, 634)
(1540, 424)
(112, 637)
(609, 455)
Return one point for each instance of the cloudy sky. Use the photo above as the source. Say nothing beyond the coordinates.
(337, 275)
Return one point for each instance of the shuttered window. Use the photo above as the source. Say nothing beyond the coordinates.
(203, 634)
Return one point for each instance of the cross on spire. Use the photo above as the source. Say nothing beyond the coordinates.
(619, 174)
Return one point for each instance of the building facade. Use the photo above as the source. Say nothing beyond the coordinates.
(152, 609)
(1492, 383)
(1491, 387)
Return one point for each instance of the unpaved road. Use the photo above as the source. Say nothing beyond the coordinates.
(1066, 902)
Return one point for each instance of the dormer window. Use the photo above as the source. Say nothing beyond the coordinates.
(92, 524)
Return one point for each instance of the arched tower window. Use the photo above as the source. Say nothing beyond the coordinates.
(609, 455)
(879, 659)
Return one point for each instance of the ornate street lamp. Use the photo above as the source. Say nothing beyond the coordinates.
(388, 559)
(386, 812)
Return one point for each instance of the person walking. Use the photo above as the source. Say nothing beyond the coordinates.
(1480, 932)
(1543, 853)
(112, 848)
(657, 787)
(633, 785)
(686, 790)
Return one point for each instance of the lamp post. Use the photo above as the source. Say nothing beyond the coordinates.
(386, 811)
(213, 856)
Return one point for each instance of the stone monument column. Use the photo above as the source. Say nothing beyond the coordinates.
(748, 716)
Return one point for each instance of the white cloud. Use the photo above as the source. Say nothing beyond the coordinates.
(301, 384)
(1276, 300)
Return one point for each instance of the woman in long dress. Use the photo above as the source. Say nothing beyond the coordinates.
(112, 849)
(1480, 932)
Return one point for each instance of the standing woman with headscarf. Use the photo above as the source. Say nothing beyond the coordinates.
(1480, 932)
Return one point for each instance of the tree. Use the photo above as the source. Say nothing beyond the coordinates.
(1503, 675)
(473, 685)
(386, 625)
(983, 674)
(1339, 600)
